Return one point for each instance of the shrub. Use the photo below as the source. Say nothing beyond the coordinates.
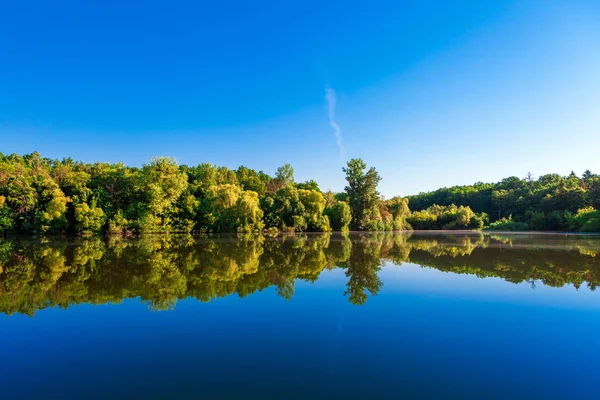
(507, 224)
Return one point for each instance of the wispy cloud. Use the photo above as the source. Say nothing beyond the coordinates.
(331, 101)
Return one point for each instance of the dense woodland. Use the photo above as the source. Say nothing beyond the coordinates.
(547, 203)
(160, 269)
(39, 195)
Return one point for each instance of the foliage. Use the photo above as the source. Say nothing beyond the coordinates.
(228, 208)
(309, 185)
(251, 180)
(296, 209)
(546, 203)
(507, 224)
(40, 195)
(362, 194)
(6, 219)
(88, 219)
(118, 224)
(586, 220)
(446, 217)
(339, 215)
(160, 269)
(397, 208)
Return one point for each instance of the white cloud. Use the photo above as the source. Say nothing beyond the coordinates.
(331, 101)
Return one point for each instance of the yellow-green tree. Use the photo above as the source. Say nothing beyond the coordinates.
(88, 219)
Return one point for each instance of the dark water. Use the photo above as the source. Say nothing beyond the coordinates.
(307, 317)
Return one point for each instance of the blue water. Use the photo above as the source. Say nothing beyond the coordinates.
(426, 335)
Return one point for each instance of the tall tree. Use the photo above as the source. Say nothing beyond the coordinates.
(285, 174)
(362, 191)
(162, 182)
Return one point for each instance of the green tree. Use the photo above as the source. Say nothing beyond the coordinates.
(362, 192)
(309, 185)
(50, 217)
(6, 218)
(399, 209)
(249, 179)
(163, 183)
(313, 203)
(339, 216)
(228, 208)
(88, 219)
(285, 175)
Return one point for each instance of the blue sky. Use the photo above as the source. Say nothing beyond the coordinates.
(431, 93)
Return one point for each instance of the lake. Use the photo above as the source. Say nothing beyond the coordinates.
(359, 316)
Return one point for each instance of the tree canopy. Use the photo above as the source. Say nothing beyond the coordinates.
(44, 196)
(549, 203)
(40, 195)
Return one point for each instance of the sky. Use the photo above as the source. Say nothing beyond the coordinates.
(431, 93)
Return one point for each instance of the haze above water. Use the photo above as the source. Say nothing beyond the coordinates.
(465, 316)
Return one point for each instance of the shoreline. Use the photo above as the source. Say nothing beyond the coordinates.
(287, 234)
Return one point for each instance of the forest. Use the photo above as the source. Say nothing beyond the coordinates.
(39, 195)
(547, 203)
(44, 196)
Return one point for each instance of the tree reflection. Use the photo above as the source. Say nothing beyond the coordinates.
(363, 265)
(159, 270)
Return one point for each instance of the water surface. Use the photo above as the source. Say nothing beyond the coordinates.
(430, 316)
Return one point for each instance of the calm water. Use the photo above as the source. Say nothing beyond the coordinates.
(306, 317)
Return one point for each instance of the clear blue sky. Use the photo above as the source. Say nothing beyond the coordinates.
(432, 93)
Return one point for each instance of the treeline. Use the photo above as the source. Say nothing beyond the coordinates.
(160, 269)
(548, 203)
(40, 195)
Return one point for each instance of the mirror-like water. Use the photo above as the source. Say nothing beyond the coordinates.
(462, 316)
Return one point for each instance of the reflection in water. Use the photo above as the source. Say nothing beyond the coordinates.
(35, 274)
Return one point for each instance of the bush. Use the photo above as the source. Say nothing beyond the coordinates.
(507, 224)
(117, 224)
(88, 219)
(271, 232)
(446, 217)
(552, 221)
(586, 220)
(339, 216)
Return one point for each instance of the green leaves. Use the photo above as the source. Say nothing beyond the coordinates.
(546, 203)
(339, 216)
(6, 217)
(362, 193)
(446, 217)
(51, 217)
(228, 208)
(88, 219)
(39, 195)
(296, 209)
(163, 183)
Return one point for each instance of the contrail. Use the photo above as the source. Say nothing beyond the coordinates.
(331, 100)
